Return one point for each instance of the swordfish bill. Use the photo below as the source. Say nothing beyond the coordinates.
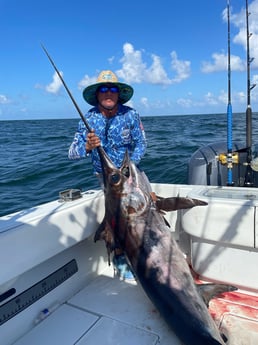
(134, 222)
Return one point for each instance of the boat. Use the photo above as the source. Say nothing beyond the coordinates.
(57, 287)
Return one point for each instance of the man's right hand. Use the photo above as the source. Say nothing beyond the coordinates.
(92, 142)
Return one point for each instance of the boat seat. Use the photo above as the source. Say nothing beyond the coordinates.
(228, 211)
(223, 235)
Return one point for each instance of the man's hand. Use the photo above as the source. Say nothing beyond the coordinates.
(92, 142)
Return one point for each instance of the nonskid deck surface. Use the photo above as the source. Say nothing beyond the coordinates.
(107, 311)
(111, 311)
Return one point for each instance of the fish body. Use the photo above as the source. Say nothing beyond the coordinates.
(134, 222)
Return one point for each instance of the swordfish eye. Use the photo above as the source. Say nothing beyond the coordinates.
(115, 178)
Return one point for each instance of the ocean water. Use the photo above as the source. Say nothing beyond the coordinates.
(34, 165)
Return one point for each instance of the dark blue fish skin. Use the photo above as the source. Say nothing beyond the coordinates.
(133, 222)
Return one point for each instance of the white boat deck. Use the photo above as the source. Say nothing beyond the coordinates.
(57, 265)
(107, 311)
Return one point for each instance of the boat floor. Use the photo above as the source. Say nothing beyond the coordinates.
(106, 311)
(110, 311)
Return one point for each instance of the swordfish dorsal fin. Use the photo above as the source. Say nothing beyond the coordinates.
(209, 291)
(177, 203)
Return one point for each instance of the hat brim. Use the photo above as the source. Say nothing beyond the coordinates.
(125, 92)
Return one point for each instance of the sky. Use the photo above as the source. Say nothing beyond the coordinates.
(173, 53)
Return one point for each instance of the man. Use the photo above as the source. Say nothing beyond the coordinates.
(116, 128)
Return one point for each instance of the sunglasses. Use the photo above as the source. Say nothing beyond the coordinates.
(104, 89)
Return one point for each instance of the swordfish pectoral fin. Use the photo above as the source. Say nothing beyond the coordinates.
(100, 232)
(209, 291)
(105, 232)
(177, 203)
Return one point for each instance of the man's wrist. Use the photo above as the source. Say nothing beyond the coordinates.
(88, 148)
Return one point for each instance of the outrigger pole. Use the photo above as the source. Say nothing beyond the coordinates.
(229, 110)
(249, 172)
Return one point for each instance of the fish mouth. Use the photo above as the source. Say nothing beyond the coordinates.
(124, 183)
(127, 179)
(129, 170)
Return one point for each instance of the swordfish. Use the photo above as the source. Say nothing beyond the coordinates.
(134, 221)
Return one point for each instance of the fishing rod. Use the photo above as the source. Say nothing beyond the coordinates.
(99, 148)
(229, 110)
(68, 91)
(249, 182)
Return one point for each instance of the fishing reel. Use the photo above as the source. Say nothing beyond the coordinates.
(233, 158)
(229, 159)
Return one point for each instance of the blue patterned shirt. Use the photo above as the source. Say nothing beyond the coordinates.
(119, 133)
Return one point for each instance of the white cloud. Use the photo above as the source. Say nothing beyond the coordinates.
(86, 80)
(220, 63)
(4, 99)
(239, 97)
(55, 85)
(145, 102)
(111, 59)
(135, 70)
(185, 102)
(182, 68)
(156, 74)
(211, 99)
(223, 97)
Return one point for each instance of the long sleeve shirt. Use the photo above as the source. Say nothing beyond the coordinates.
(124, 131)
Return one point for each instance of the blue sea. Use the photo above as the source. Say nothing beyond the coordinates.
(34, 164)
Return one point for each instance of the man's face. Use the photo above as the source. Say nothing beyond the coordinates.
(107, 96)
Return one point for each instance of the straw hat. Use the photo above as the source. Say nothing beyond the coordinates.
(104, 78)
